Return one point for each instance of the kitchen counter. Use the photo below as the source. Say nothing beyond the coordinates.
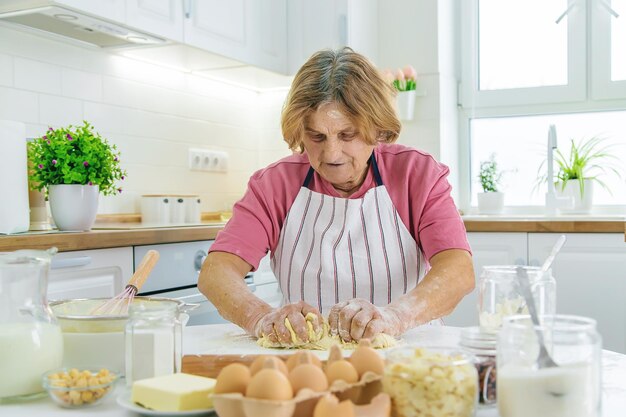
(110, 235)
(202, 340)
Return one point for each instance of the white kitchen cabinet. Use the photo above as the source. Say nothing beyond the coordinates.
(251, 31)
(322, 24)
(590, 272)
(488, 249)
(90, 273)
(159, 17)
(114, 10)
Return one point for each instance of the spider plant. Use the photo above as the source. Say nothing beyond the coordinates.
(587, 160)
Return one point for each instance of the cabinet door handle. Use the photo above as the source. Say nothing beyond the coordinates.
(198, 260)
(187, 8)
(70, 262)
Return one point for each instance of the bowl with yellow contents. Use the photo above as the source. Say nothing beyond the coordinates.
(76, 388)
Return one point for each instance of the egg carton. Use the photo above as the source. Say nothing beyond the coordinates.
(303, 404)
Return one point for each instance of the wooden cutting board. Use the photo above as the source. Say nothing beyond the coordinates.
(211, 365)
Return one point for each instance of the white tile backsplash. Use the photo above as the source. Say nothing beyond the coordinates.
(60, 111)
(152, 113)
(6, 70)
(37, 76)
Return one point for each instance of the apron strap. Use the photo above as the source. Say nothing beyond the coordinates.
(373, 163)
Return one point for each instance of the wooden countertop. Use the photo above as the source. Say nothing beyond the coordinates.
(131, 233)
(100, 239)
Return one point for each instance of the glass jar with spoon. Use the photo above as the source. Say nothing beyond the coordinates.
(530, 384)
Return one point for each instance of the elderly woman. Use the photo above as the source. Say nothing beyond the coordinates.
(358, 228)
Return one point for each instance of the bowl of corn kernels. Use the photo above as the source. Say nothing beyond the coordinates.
(75, 388)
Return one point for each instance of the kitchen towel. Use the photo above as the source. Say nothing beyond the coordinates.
(14, 215)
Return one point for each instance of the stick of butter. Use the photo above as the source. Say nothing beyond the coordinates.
(176, 392)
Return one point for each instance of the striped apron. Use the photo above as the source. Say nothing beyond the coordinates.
(333, 249)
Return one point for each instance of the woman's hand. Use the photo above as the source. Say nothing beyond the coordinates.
(358, 319)
(272, 325)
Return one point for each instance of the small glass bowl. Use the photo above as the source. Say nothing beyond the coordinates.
(73, 388)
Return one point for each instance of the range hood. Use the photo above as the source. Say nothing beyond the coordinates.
(81, 27)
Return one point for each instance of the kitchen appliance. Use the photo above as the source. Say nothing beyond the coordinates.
(59, 20)
(176, 276)
(14, 216)
(30, 337)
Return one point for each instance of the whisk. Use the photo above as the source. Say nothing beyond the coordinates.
(118, 305)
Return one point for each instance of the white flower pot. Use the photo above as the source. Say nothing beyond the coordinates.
(73, 206)
(406, 104)
(490, 203)
(582, 203)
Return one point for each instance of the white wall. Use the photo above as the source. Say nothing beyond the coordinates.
(152, 113)
(421, 33)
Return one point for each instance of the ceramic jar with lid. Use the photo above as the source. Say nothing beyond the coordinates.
(431, 381)
(573, 388)
(482, 346)
(500, 296)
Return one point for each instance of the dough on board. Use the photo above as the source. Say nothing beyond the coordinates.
(322, 340)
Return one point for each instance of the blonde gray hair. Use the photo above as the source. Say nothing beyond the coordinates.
(349, 79)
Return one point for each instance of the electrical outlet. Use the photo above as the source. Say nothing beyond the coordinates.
(208, 160)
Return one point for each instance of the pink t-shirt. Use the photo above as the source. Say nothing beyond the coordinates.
(415, 182)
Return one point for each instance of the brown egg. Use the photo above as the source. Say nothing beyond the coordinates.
(233, 378)
(259, 363)
(329, 406)
(270, 384)
(364, 359)
(341, 369)
(297, 358)
(307, 375)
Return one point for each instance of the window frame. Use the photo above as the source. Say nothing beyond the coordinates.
(590, 93)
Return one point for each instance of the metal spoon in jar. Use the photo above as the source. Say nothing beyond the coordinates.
(544, 360)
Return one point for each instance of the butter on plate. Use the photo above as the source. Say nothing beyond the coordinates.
(176, 392)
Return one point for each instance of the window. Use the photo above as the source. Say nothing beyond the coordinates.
(527, 64)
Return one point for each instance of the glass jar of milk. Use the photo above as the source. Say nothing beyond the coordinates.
(572, 389)
(30, 338)
(153, 341)
(500, 297)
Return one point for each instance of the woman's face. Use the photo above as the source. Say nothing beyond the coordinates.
(336, 148)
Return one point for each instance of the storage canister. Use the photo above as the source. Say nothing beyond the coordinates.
(433, 381)
(153, 341)
(572, 389)
(155, 209)
(482, 346)
(499, 294)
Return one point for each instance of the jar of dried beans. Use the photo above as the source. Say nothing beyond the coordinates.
(482, 346)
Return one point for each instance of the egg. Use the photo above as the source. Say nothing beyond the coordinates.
(308, 375)
(233, 378)
(365, 359)
(329, 406)
(259, 363)
(341, 369)
(298, 358)
(270, 384)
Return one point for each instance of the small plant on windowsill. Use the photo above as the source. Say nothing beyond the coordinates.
(74, 165)
(491, 200)
(588, 159)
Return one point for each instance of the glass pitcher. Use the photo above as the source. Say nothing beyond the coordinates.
(31, 342)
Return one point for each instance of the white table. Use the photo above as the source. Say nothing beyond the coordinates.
(227, 338)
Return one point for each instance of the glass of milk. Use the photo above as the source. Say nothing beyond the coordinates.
(573, 389)
(30, 338)
(500, 297)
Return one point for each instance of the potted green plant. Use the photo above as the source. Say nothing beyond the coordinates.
(580, 169)
(74, 164)
(405, 83)
(491, 200)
